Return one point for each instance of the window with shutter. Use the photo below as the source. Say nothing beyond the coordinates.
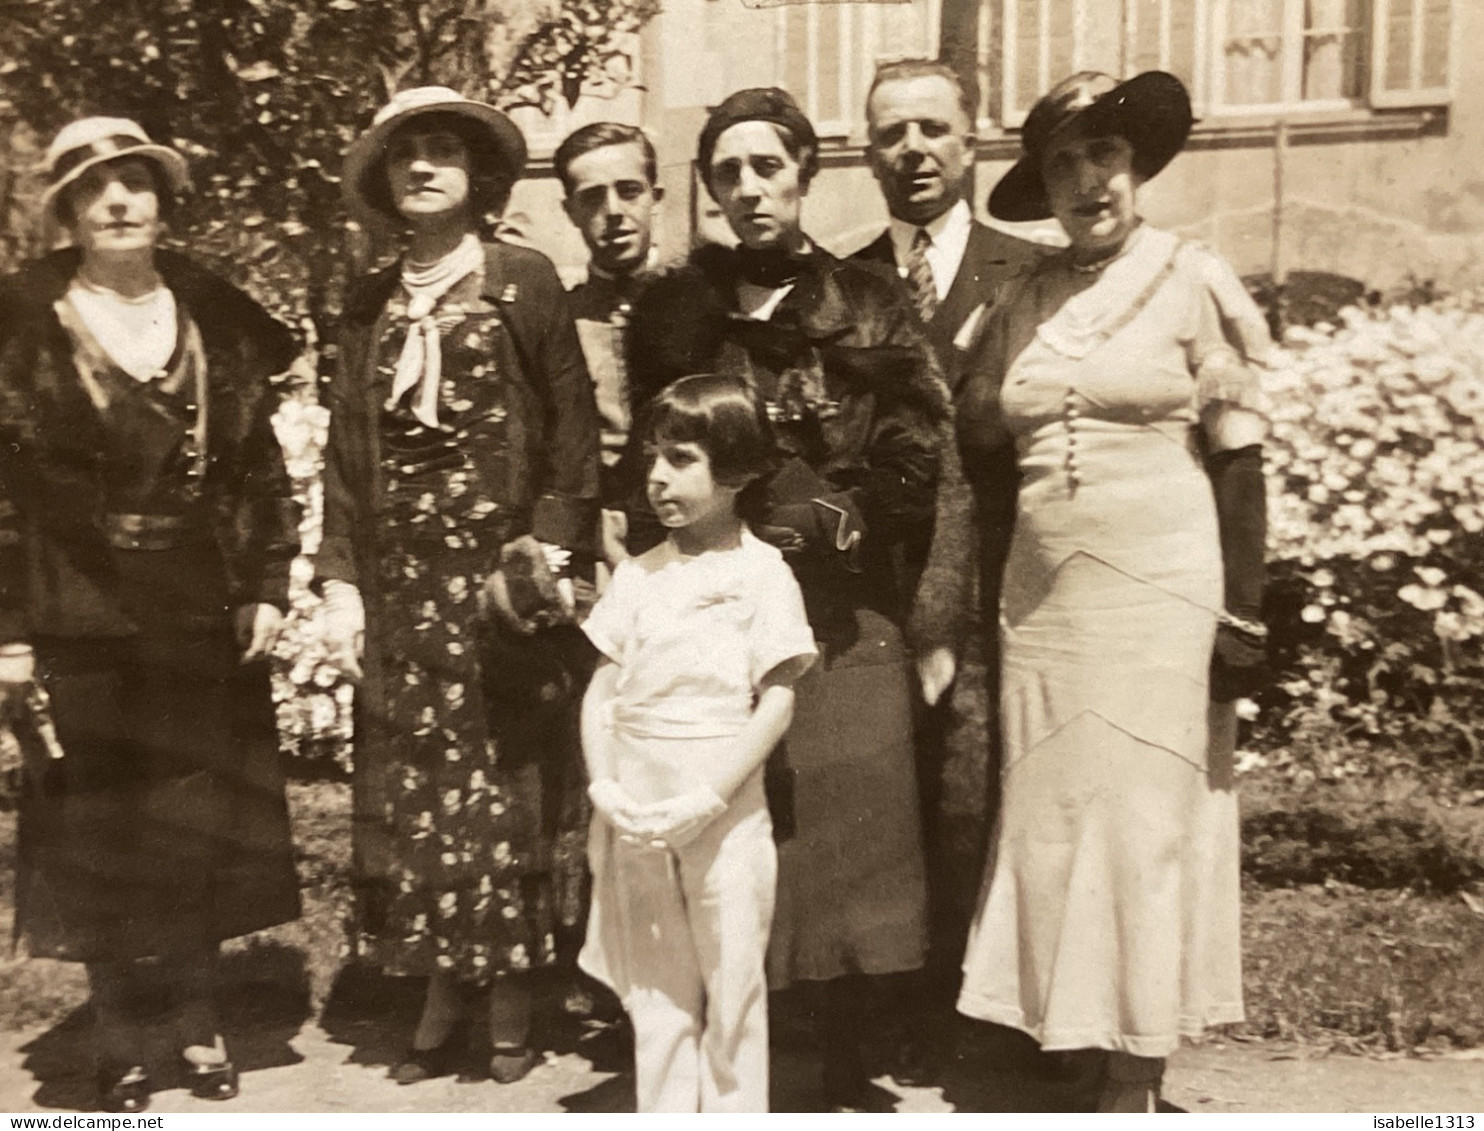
(1411, 53)
(1279, 54)
(1285, 55)
(1041, 43)
(1165, 35)
(827, 54)
(1238, 57)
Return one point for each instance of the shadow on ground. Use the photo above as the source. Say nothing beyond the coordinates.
(263, 997)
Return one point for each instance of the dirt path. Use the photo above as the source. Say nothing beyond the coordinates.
(317, 1073)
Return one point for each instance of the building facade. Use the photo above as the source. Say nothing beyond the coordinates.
(1360, 115)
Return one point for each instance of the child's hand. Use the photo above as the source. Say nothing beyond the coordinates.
(616, 807)
(676, 821)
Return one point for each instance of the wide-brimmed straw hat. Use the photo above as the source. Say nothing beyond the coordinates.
(367, 154)
(1150, 111)
(92, 141)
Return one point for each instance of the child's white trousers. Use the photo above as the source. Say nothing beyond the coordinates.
(681, 936)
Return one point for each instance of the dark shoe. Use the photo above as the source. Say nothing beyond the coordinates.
(425, 1064)
(123, 1091)
(509, 1063)
(213, 1081)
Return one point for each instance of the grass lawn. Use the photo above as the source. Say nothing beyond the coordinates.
(1365, 969)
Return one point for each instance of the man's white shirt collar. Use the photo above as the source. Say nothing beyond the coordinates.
(949, 234)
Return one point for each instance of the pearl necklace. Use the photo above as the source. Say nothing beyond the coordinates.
(1098, 266)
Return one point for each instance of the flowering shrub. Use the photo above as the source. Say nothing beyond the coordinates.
(1376, 512)
(312, 702)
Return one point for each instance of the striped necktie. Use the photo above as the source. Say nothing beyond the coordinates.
(920, 276)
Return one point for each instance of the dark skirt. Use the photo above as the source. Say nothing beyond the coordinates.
(851, 888)
(164, 827)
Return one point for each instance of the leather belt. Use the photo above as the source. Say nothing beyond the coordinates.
(150, 531)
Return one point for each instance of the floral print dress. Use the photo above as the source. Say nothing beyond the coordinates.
(469, 890)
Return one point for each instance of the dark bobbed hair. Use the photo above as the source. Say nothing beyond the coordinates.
(169, 203)
(898, 70)
(600, 135)
(489, 180)
(805, 153)
(724, 416)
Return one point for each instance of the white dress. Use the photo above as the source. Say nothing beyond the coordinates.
(1110, 914)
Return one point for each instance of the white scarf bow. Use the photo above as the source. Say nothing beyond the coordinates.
(420, 365)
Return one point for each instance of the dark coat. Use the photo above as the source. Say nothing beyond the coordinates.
(553, 488)
(880, 439)
(163, 828)
(866, 436)
(57, 577)
(959, 739)
(990, 259)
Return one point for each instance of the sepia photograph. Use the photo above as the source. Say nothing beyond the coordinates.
(813, 556)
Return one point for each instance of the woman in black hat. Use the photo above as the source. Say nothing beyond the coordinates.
(860, 411)
(1117, 424)
(148, 509)
(462, 461)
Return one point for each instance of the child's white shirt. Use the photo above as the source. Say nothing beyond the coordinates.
(695, 637)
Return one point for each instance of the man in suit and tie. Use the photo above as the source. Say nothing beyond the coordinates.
(921, 148)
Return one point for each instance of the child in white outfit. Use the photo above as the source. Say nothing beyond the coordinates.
(702, 638)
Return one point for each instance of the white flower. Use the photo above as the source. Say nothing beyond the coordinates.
(1426, 599)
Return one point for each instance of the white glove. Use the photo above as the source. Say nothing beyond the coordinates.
(936, 671)
(17, 664)
(258, 627)
(677, 821)
(615, 806)
(343, 617)
(17, 670)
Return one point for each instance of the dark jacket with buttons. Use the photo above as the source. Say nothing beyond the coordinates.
(58, 573)
(554, 483)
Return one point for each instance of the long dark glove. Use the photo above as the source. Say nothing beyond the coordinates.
(1239, 663)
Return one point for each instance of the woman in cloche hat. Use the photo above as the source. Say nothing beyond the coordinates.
(151, 529)
(1117, 396)
(462, 460)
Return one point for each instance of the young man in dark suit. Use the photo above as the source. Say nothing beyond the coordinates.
(608, 173)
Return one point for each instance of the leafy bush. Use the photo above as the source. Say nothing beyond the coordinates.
(1376, 478)
(264, 96)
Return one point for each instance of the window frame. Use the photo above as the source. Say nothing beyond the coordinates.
(1012, 117)
(853, 79)
(1378, 97)
(1292, 35)
(999, 47)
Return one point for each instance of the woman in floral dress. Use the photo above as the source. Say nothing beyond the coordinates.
(462, 432)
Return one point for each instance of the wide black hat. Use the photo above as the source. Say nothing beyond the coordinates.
(1151, 111)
